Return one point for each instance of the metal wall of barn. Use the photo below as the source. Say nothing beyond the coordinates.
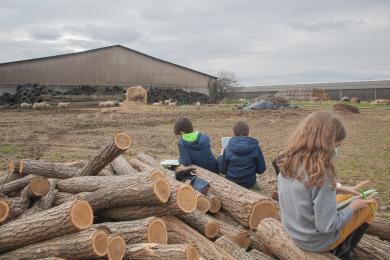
(103, 67)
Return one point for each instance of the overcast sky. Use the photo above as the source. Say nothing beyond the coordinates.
(262, 42)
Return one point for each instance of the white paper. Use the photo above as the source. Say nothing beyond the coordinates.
(170, 162)
(225, 140)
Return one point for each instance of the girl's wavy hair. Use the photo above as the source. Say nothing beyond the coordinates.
(310, 149)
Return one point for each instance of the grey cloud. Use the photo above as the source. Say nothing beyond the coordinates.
(44, 33)
(327, 25)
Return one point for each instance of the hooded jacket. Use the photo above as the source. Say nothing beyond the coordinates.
(241, 160)
(198, 153)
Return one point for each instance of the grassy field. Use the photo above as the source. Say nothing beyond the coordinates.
(76, 134)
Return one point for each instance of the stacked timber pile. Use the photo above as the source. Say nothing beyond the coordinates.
(345, 108)
(182, 97)
(112, 208)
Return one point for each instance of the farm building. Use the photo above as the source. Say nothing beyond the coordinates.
(365, 90)
(108, 66)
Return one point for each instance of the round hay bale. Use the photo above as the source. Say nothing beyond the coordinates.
(346, 99)
(136, 94)
(355, 100)
(345, 108)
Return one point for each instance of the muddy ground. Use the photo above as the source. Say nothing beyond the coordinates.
(75, 134)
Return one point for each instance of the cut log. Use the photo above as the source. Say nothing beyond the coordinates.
(239, 235)
(201, 222)
(203, 202)
(116, 247)
(256, 254)
(121, 166)
(258, 244)
(232, 248)
(45, 202)
(63, 219)
(17, 185)
(272, 234)
(12, 208)
(179, 232)
(93, 183)
(140, 166)
(62, 197)
(157, 251)
(106, 171)
(380, 227)
(84, 244)
(244, 205)
(111, 150)
(45, 169)
(4, 178)
(149, 193)
(182, 200)
(148, 230)
(215, 202)
(371, 247)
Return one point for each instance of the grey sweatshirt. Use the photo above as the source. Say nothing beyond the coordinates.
(309, 215)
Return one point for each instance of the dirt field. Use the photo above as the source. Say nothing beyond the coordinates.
(76, 134)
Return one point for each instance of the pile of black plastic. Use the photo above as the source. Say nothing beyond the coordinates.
(30, 93)
(182, 97)
(94, 90)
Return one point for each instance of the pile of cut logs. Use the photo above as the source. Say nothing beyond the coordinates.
(114, 208)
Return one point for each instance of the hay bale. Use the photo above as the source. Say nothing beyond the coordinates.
(345, 108)
(355, 100)
(346, 99)
(381, 101)
(136, 94)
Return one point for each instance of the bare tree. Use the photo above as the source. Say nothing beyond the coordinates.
(225, 84)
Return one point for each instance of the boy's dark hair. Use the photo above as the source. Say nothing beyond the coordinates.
(241, 129)
(183, 124)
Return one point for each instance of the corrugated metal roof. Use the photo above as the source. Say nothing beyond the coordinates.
(107, 47)
(335, 85)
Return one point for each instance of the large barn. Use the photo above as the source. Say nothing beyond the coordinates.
(365, 90)
(109, 66)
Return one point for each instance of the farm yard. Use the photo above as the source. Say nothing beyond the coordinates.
(76, 133)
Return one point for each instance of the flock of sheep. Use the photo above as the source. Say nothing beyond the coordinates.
(45, 105)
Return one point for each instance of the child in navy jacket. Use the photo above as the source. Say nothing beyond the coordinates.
(194, 147)
(242, 158)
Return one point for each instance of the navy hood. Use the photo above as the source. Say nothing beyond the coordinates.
(242, 145)
(200, 143)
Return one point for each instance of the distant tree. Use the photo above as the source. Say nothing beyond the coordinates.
(225, 84)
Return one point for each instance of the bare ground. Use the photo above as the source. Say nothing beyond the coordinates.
(75, 134)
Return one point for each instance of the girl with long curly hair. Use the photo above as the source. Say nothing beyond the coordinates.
(307, 190)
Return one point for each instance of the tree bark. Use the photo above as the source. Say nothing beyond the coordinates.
(7, 177)
(380, 227)
(62, 197)
(140, 166)
(93, 183)
(121, 166)
(232, 248)
(147, 230)
(155, 192)
(106, 171)
(64, 219)
(271, 233)
(111, 150)
(371, 247)
(179, 232)
(86, 244)
(239, 235)
(201, 222)
(157, 251)
(256, 254)
(244, 205)
(182, 200)
(45, 169)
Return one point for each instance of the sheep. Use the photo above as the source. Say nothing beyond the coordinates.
(41, 105)
(172, 104)
(167, 101)
(197, 105)
(25, 105)
(158, 103)
(106, 104)
(63, 104)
